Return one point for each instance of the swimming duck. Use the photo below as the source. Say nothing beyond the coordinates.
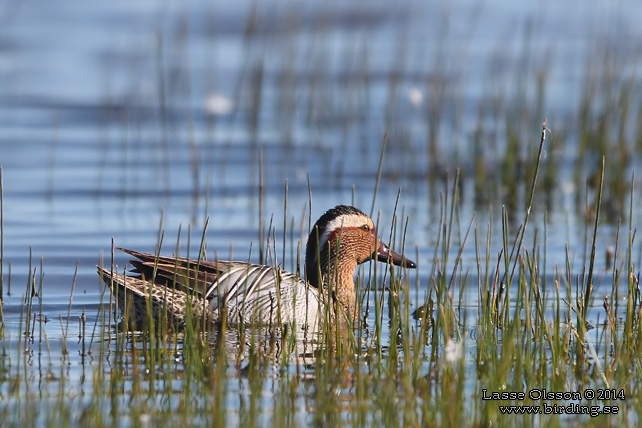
(340, 240)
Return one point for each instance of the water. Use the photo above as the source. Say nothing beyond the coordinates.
(118, 116)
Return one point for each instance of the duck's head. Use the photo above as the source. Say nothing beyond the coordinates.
(349, 235)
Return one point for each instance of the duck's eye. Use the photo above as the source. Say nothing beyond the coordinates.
(365, 228)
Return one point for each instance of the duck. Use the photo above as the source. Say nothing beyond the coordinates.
(241, 292)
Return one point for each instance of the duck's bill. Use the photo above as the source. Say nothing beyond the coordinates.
(385, 254)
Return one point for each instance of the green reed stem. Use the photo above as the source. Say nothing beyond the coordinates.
(376, 189)
(589, 280)
(285, 223)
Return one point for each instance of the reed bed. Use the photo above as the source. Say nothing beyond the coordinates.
(466, 340)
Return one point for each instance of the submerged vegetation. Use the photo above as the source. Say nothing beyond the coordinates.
(492, 318)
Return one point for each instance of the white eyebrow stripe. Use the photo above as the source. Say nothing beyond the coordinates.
(346, 220)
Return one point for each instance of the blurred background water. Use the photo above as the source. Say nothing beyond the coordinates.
(116, 115)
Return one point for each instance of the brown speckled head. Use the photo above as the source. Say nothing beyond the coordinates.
(348, 235)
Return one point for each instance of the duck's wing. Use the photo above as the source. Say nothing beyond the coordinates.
(194, 277)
